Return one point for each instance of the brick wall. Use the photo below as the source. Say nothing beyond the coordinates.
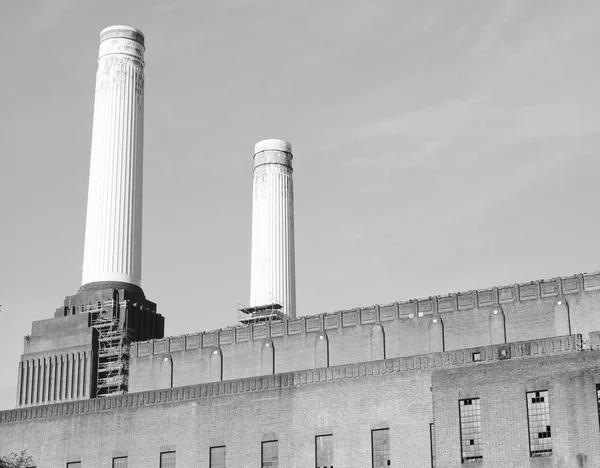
(527, 311)
(501, 387)
(58, 362)
(347, 401)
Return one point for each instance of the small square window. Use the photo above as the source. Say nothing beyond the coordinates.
(432, 444)
(218, 457)
(324, 451)
(167, 460)
(270, 454)
(598, 397)
(476, 357)
(119, 462)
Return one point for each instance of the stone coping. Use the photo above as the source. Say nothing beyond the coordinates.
(448, 359)
(413, 309)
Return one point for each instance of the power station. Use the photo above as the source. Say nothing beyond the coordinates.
(496, 377)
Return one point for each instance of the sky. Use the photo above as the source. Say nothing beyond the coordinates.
(439, 147)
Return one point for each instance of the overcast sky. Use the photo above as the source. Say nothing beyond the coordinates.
(438, 147)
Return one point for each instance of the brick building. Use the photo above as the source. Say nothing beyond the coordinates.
(340, 389)
(435, 382)
(497, 377)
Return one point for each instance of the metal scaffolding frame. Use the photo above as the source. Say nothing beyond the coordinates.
(265, 313)
(113, 346)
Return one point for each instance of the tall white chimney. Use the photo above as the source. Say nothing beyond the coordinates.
(113, 232)
(273, 273)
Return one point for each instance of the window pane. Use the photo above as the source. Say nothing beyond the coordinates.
(74, 465)
(538, 414)
(470, 430)
(217, 457)
(598, 397)
(432, 444)
(167, 460)
(380, 442)
(120, 462)
(324, 451)
(270, 454)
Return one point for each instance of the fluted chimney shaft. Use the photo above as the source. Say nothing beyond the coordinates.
(113, 233)
(273, 260)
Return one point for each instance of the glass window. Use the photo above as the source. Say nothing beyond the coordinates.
(380, 445)
(598, 398)
(432, 444)
(324, 451)
(74, 465)
(270, 454)
(470, 430)
(538, 415)
(120, 462)
(217, 457)
(167, 460)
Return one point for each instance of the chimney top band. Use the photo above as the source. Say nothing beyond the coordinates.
(273, 145)
(122, 32)
(273, 152)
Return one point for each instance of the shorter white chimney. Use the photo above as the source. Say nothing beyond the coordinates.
(273, 272)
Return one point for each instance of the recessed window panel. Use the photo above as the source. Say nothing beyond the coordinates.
(217, 457)
(120, 462)
(540, 432)
(270, 454)
(167, 460)
(324, 451)
(470, 430)
(380, 444)
(598, 398)
(432, 444)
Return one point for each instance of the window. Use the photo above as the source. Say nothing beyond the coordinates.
(324, 451)
(598, 398)
(217, 457)
(538, 416)
(74, 465)
(167, 460)
(380, 447)
(119, 462)
(470, 430)
(432, 444)
(269, 454)
(476, 357)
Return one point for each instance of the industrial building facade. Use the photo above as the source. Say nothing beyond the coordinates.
(500, 377)
(395, 412)
(338, 392)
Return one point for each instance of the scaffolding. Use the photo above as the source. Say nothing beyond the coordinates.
(108, 318)
(265, 313)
